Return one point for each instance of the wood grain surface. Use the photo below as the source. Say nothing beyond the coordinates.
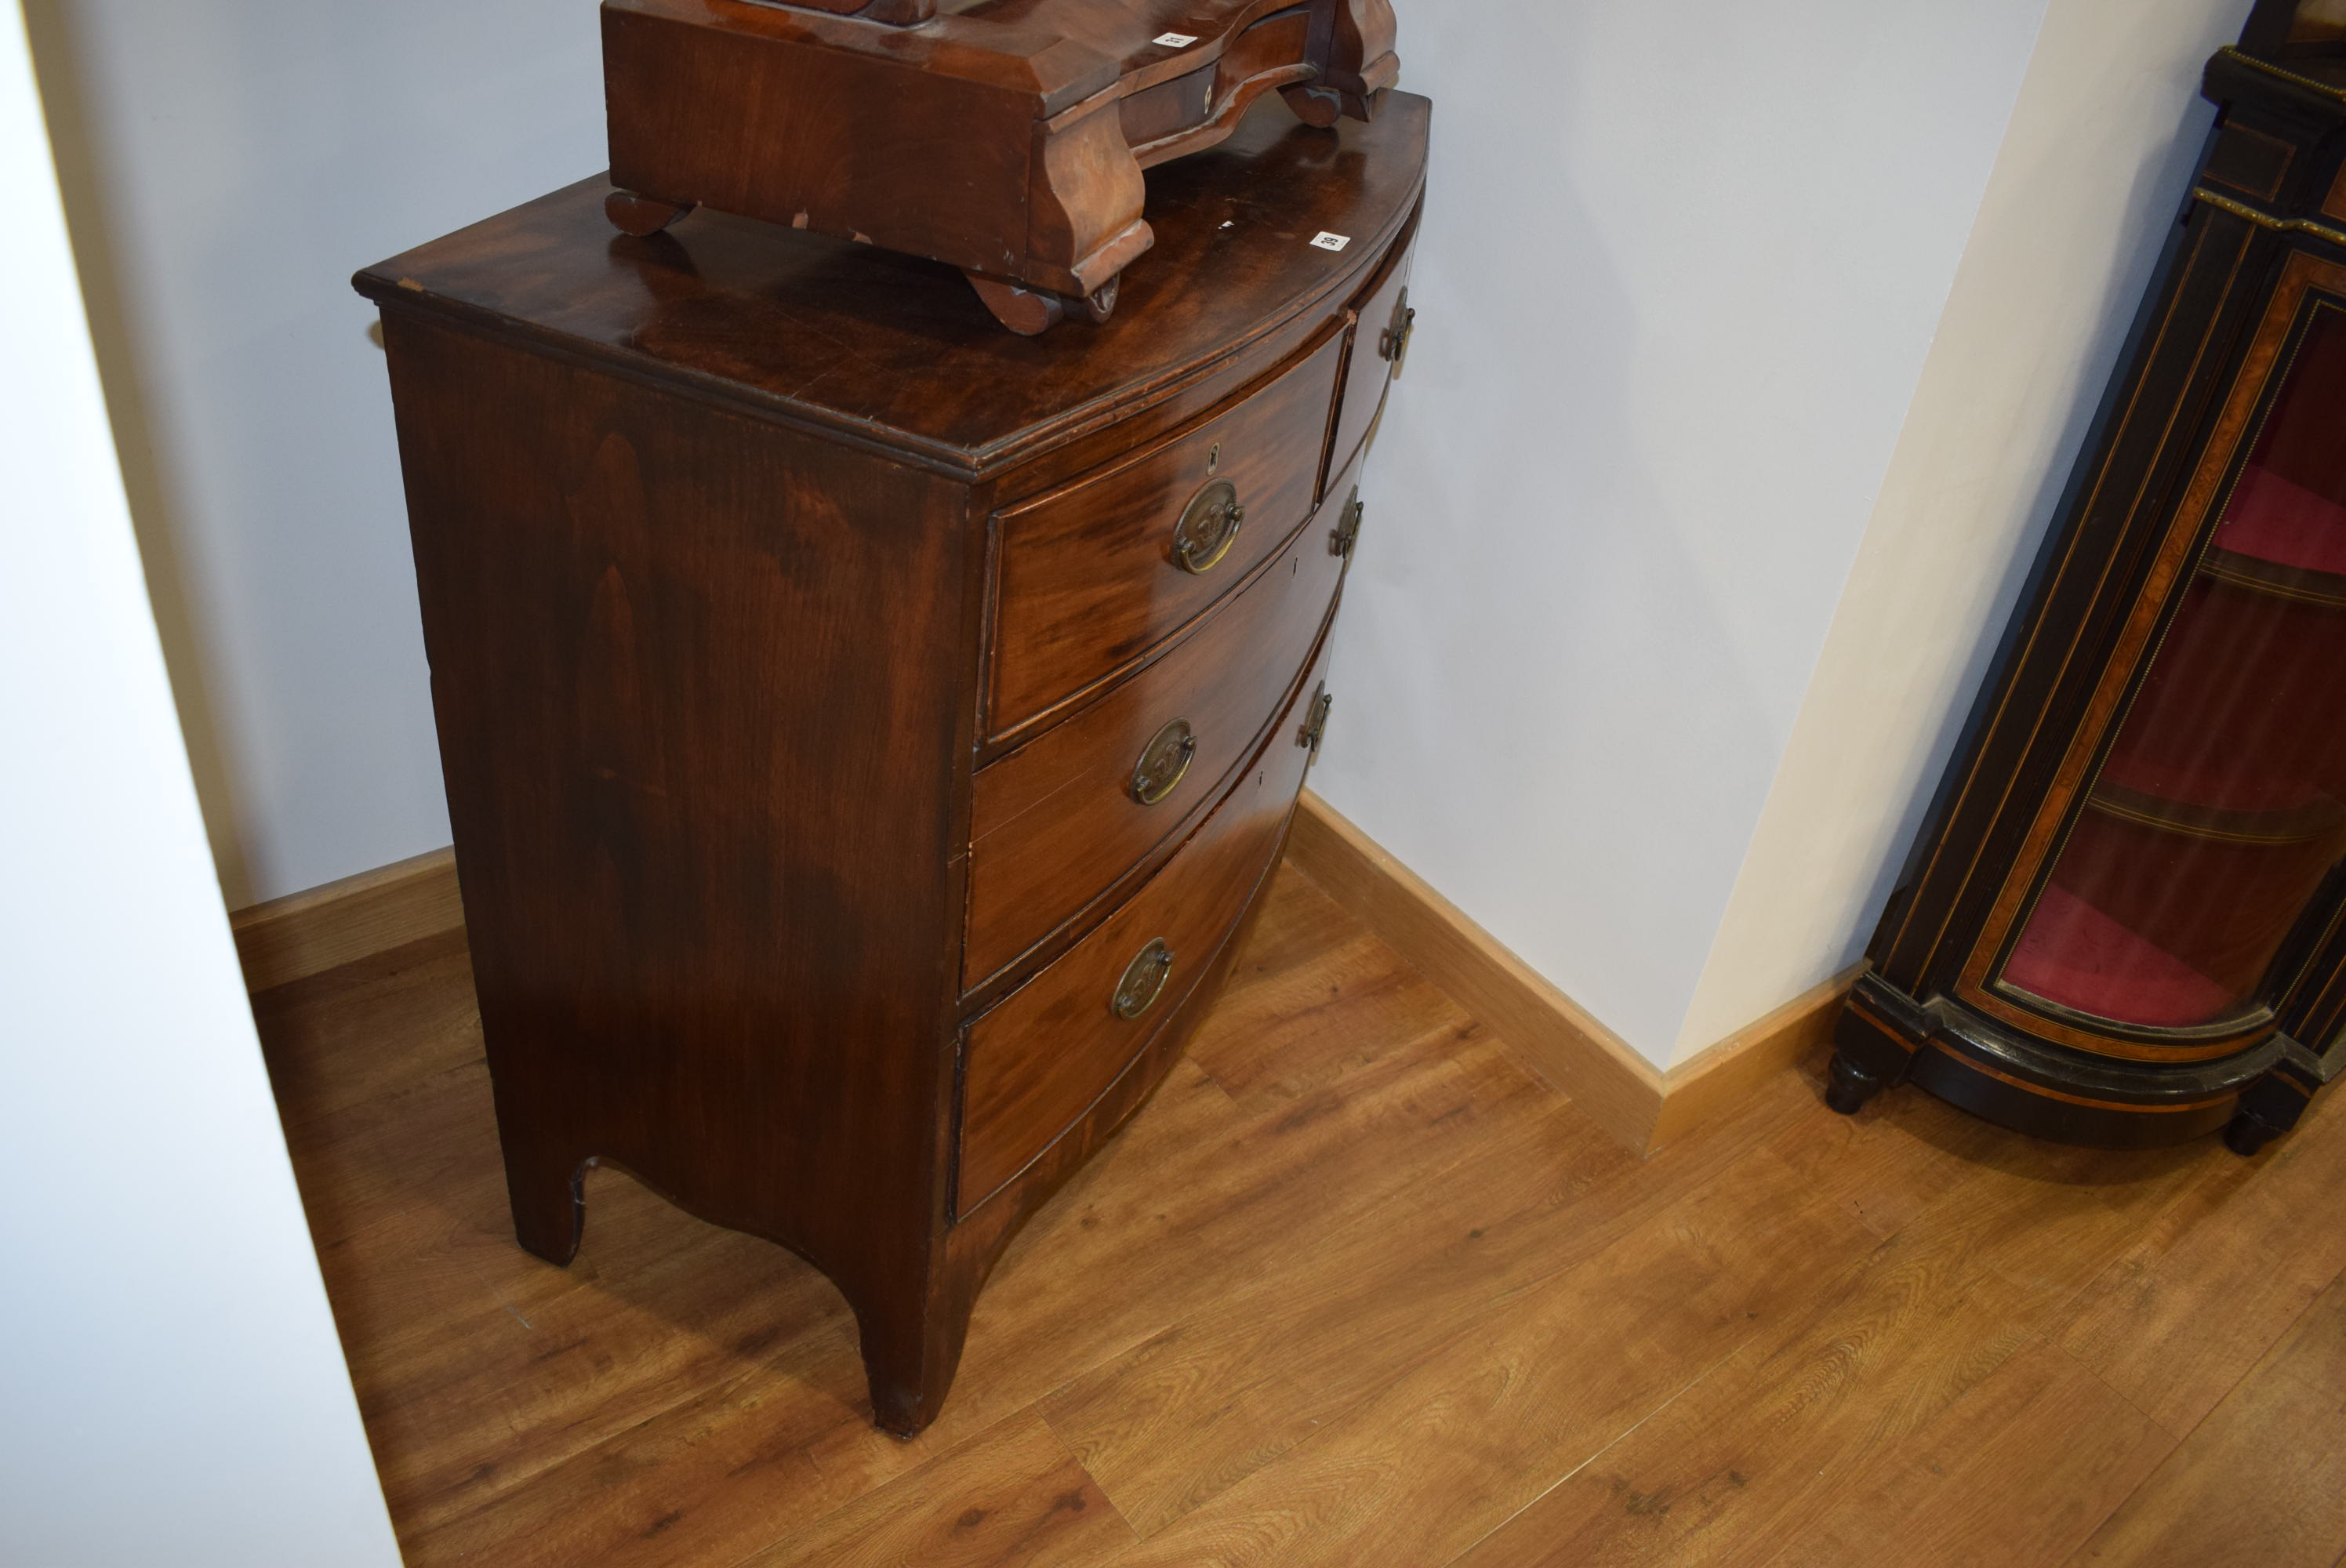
(323, 928)
(1088, 578)
(1354, 1288)
(1037, 1060)
(881, 347)
(698, 637)
(1006, 139)
(1370, 368)
(1060, 816)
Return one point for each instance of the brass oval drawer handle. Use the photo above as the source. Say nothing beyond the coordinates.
(1209, 527)
(1315, 722)
(1165, 762)
(1143, 981)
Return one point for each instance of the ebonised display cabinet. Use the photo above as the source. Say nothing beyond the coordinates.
(2126, 924)
(868, 733)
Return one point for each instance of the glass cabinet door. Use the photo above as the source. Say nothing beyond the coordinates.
(2222, 806)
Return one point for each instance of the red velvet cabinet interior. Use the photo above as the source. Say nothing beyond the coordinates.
(2127, 924)
(867, 732)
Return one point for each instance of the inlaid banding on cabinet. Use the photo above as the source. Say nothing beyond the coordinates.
(2251, 161)
(2123, 913)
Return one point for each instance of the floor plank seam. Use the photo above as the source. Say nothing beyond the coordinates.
(1422, 1221)
(1624, 1435)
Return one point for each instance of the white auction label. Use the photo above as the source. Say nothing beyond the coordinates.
(1327, 242)
(1176, 40)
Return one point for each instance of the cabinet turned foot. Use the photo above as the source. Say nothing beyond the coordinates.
(1849, 1086)
(2246, 1137)
(642, 215)
(2271, 1107)
(549, 1208)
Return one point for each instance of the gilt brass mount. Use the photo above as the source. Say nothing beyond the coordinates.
(1165, 762)
(1143, 981)
(1209, 527)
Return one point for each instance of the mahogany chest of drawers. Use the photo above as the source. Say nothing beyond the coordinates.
(867, 732)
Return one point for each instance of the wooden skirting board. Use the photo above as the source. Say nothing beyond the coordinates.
(1551, 1035)
(308, 933)
(1545, 1031)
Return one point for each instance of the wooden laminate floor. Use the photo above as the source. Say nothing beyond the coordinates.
(1353, 1290)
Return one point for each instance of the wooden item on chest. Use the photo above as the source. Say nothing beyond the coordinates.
(867, 733)
(1007, 137)
(2127, 924)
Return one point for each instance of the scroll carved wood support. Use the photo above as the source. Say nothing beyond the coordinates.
(1352, 46)
(1012, 149)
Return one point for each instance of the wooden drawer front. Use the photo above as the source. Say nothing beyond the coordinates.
(1383, 312)
(1057, 821)
(1088, 579)
(1163, 121)
(1037, 1060)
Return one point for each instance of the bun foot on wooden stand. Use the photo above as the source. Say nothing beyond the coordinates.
(1320, 107)
(1031, 312)
(2272, 1106)
(1100, 304)
(2246, 1137)
(642, 215)
(1849, 1086)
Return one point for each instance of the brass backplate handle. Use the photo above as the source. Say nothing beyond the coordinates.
(1392, 344)
(1143, 981)
(1315, 722)
(1347, 532)
(1163, 762)
(1209, 527)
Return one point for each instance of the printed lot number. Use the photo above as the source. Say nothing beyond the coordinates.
(1174, 40)
(1327, 242)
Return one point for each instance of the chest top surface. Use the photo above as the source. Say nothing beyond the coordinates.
(897, 350)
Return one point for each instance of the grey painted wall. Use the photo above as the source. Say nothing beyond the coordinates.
(228, 166)
(1681, 271)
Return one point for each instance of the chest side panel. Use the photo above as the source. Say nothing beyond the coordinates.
(697, 680)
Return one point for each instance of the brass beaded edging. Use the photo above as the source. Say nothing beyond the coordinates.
(2266, 219)
(2270, 69)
